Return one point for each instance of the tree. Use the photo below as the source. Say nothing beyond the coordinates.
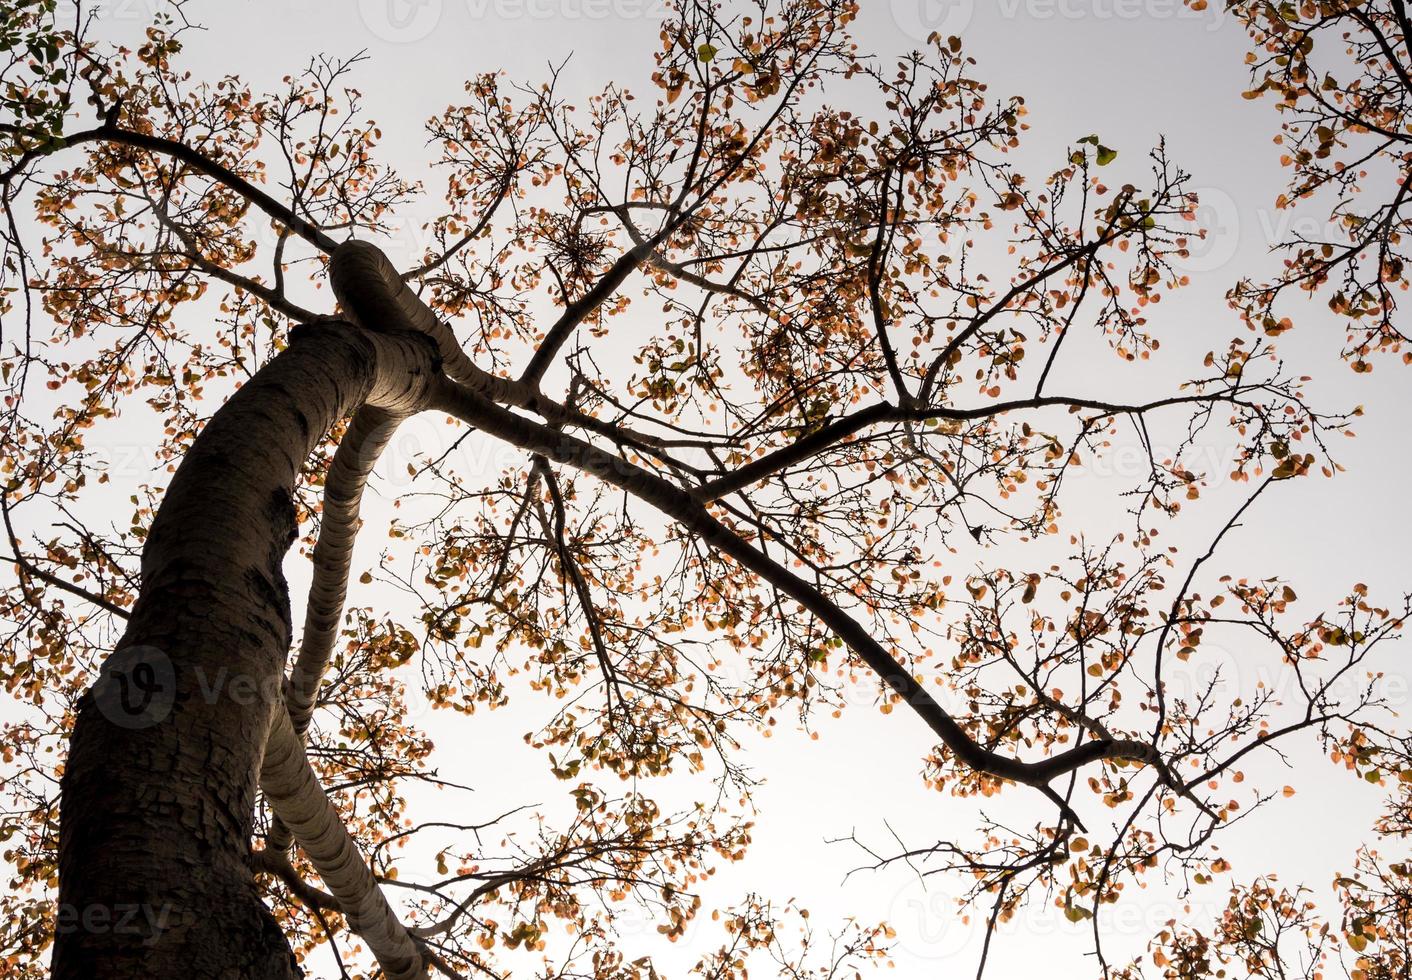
(677, 550)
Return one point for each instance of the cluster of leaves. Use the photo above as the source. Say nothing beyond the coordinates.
(1338, 72)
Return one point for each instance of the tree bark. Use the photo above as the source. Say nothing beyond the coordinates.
(368, 435)
(158, 793)
(295, 794)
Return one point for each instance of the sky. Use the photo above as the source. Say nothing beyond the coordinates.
(1133, 71)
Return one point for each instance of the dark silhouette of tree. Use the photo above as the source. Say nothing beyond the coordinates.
(770, 376)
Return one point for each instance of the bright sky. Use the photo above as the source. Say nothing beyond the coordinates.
(1130, 70)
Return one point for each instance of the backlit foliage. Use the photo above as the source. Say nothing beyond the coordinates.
(866, 347)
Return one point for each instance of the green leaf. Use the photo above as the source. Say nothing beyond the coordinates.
(1105, 155)
(706, 52)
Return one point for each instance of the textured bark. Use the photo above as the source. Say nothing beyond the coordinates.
(295, 794)
(373, 295)
(362, 445)
(158, 792)
(367, 436)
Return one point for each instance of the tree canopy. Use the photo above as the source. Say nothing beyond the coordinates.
(767, 358)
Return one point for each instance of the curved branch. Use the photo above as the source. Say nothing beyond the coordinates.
(472, 407)
(368, 435)
(108, 133)
(844, 426)
(299, 801)
(372, 293)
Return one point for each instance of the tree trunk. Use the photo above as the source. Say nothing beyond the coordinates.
(158, 794)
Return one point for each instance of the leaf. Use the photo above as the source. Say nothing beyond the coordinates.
(706, 52)
(1106, 155)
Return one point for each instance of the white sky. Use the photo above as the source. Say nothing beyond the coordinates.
(1130, 71)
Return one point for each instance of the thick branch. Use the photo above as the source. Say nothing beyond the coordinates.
(299, 801)
(158, 791)
(368, 435)
(472, 407)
